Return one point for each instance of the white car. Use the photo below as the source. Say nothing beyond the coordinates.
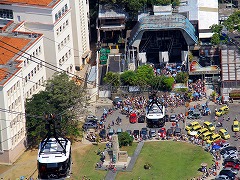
(224, 145)
(222, 177)
(230, 154)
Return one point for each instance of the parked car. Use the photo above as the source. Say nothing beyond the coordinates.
(191, 125)
(177, 132)
(103, 134)
(232, 165)
(228, 173)
(91, 118)
(133, 118)
(196, 114)
(205, 136)
(201, 132)
(136, 134)
(141, 119)
(89, 125)
(235, 126)
(223, 110)
(169, 132)
(230, 154)
(224, 134)
(167, 118)
(129, 132)
(117, 100)
(173, 118)
(229, 148)
(111, 132)
(119, 130)
(213, 138)
(162, 132)
(209, 126)
(152, 133)
(144, 133)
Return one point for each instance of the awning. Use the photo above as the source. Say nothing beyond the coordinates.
(85, 54)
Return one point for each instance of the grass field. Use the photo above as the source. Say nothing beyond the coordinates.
(170, 161)
(84, 161)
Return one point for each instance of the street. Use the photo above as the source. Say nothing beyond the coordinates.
(126, 125)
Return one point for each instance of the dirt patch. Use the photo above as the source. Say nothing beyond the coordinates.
(26, 165)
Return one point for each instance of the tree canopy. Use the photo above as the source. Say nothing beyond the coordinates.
(60, 97)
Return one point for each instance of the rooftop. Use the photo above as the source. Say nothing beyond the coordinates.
(46, 3)
(111, 11)
(12, 43)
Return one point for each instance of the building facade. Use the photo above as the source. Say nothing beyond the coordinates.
(65, 42)
(198, 13)
(21, 76)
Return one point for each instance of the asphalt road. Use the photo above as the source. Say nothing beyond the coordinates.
(125, 125)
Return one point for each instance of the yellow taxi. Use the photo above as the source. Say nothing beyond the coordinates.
(191, 125)
(223, 110)
(213, 138)
(209, 126)
(201, 132)
(224, 134)
(235, 126)
(194, 128)
(205, 136)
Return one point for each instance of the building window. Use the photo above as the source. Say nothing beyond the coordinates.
(65, 40)
(25, 63)
(63, 10)
(35, 70)
(38, 67)
(69, 52)
(32, 73)
(59, 46)
(67, 23)
(40, 64)
(39, 49)
(68, 37)
(26, 79)
(66, 7)
(60, 28)
(56, 17)
(29, 76)
(59, 14)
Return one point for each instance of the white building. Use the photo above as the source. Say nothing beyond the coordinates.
(20, 78)
(202, 14)
(80, 28)
(66, 43)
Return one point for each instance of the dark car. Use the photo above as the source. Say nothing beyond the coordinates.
(173, 117)
(177, 132)
(136, 134)
(144, 133)
(162, 132)
(230, 160)
(229, 148)
(170, 132)
(89, 125)
(152, 133)
(117, 100)
(111, 132)
(129, 132)
(141, 119)
(103, 133)
(228, 173)
(167, 118)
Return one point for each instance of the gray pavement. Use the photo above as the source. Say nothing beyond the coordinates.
(102, 103)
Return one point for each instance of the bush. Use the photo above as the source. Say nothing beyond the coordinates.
(147, 166)
(125, 139)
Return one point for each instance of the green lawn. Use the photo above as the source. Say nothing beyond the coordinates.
(170, 160)
(85, 158)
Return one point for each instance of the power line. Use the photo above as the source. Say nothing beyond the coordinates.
(47, 37)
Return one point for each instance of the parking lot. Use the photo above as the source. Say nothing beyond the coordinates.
(126, 125)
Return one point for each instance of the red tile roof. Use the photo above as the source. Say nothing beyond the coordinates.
(7, 52)
(31, 2)
(3, 73)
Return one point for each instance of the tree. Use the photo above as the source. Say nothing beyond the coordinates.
(181, 77)
(144, 75)
(128, 78)
(215, 39)
(125, 139)
(157, 83)
(61, 97)
(112, 78)
(168, 83)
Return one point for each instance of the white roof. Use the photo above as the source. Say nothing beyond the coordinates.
(53, 152)
(155, 112)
